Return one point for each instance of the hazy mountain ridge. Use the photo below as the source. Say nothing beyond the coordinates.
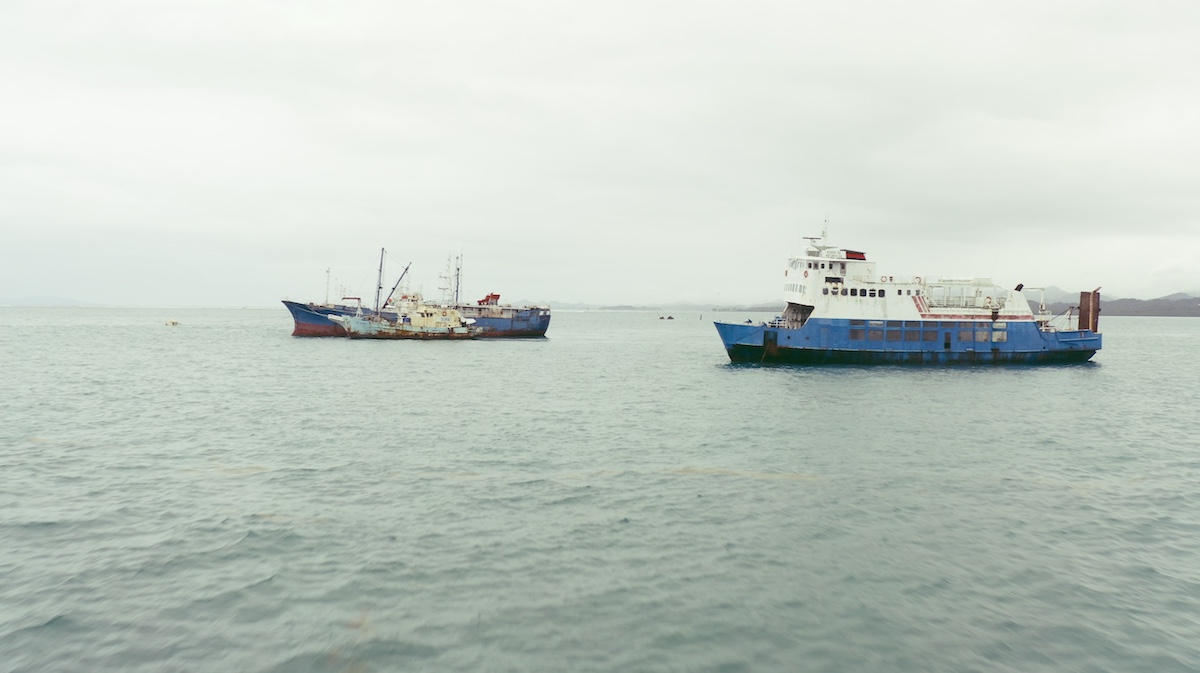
(1179, 304)
(46, 301)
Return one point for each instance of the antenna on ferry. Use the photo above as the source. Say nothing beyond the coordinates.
(327, 285)
(819, 243)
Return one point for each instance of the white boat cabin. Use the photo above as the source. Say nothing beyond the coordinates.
(836, 283)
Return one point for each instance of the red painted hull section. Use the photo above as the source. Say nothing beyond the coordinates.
(306, 330)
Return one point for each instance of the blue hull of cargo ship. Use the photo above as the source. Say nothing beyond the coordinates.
(526, 323)
(312, 320)
(837, 341)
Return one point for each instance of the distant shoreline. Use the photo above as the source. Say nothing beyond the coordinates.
(1164, 308)
(1174, 306)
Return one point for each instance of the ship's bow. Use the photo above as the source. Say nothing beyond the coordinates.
(311, 322)
(743, 341)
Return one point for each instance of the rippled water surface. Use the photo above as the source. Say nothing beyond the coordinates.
(221, 496)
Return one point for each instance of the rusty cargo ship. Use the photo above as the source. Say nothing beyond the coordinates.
(493, 319)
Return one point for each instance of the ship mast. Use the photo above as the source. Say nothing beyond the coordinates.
(823, 238)
(457, 279)
(379, 281)
(449, 280)
(398, 281)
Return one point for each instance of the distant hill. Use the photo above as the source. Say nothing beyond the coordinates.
(561, 305)
(1179, 304)
(774, 307)
(1057, 301)
(44, 301)
(678, 307)
(1054, 295)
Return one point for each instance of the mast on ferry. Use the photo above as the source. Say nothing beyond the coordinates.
(822, 246)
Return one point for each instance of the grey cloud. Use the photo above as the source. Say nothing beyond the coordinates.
(622, 151)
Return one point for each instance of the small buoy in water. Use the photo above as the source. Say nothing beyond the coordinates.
(172, 323)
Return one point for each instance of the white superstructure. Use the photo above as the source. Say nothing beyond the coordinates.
(838, 283)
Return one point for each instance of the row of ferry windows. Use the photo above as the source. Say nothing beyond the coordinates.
(928, 324)
(927, 335)
(865, 292)
(833, 266)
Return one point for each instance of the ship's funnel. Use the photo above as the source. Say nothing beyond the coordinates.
(1089, 310)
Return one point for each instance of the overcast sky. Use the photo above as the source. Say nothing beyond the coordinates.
(227, 153)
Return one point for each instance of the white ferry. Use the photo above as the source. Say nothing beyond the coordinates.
(841, 310)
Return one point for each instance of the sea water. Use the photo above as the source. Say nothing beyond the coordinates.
(221, 496)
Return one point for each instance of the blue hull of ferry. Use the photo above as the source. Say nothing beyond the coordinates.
(312, 320)
(829, 341)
